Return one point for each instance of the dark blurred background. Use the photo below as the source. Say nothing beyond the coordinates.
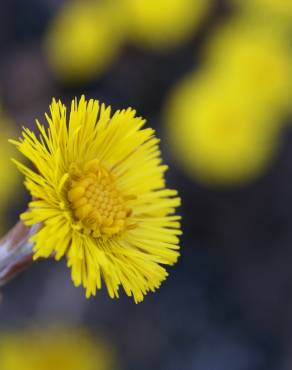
(227, 304)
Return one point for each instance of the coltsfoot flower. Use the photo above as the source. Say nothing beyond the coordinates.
(219, 137)
(163, 24)
(99, 195)
(52, 348)
(279, 11)
(254, 59)
(83, 39)
(10, 183)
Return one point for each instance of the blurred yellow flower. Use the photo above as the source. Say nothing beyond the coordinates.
(100, 195)
(278, 10)
(54, 349)
(163, 24)
(218, 137)
(254, 60)
(83, 39)
(10, 181)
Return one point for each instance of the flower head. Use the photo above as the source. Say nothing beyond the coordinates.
(218, 136)
(252, 58)
(83, 39)
(52, 348)
(11, 181)
(276, 10)
(164, 24)
(99, 193)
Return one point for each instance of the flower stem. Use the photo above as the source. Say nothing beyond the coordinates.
(15, 252)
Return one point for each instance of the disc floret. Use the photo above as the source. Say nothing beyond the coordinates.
(96, 201)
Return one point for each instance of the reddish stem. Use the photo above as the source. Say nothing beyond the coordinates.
(15, 252)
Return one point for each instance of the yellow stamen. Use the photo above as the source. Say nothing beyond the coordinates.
(96, 201)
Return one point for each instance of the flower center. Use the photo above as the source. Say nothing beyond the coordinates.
(95, 200)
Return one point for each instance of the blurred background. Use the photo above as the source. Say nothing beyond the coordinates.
(214, 78)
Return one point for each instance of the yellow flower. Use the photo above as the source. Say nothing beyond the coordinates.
(279, 11)
(163, 24)
(54, 348)
(82, 40)
(100, 196)
(253, 59)
(218, 137)
(11, 180)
